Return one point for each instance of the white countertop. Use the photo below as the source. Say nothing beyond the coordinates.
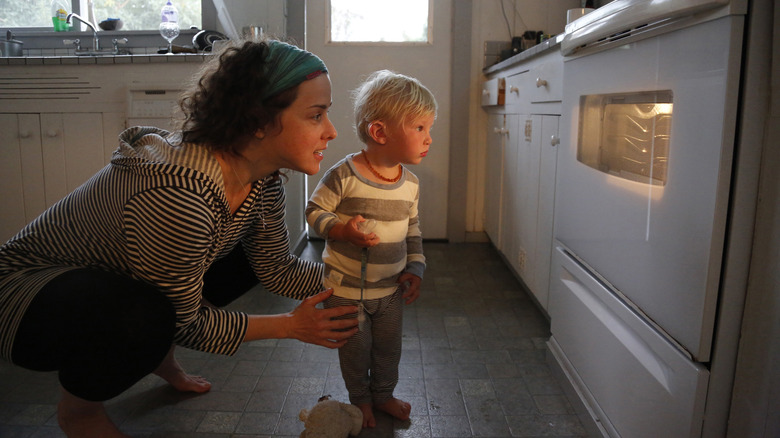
(548, 44)
(103, 59)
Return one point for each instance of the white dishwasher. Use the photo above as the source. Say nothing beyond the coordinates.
(152, 105)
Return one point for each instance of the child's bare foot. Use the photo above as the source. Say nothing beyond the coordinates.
(397, 408)
(170, 371)
(368, 415)
(80, 418)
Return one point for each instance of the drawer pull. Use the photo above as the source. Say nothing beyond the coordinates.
(25, 134)
(486, 92)
(540, 83)
(514, 89)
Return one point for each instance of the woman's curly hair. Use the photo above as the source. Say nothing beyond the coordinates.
(222, 107)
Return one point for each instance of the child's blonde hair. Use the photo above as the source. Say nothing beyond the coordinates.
(386, 95)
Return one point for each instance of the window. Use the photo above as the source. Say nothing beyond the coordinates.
(396, 21)
(135, 15)
(627, 135)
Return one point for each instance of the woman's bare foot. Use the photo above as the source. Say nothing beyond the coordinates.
(80, 418)
(170, 371)
(397, 408)
(368, 415)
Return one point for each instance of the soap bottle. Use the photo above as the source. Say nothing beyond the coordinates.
(59, 15)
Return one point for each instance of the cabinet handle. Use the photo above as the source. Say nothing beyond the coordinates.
(25, 134)
(486, 92)
(51, 133)
(555, 140)
(514, 89)
(540, 83)
(498, 130)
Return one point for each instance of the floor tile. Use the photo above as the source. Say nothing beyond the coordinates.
(473, 364)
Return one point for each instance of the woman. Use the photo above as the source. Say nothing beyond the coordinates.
(103, 284)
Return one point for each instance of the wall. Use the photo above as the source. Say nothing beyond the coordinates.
(757, 383)
(268, 14)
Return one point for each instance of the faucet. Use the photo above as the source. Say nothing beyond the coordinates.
(95, 42)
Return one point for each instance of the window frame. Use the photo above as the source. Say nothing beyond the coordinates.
(429, 39)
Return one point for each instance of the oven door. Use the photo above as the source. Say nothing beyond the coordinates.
(644, 172)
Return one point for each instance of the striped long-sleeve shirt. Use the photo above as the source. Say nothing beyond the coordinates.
(343, 193)
(157, 213)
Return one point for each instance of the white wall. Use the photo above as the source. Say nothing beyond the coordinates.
(268, 14)
(756, 394)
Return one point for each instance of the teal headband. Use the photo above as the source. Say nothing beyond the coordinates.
(288, 66)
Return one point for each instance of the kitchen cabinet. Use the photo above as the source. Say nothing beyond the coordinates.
(47, 155)
(522, 138)
(494, 176)
(528, 182)
(59, 125)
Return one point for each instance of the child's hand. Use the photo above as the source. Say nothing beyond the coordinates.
(411, 284)
(354, 232)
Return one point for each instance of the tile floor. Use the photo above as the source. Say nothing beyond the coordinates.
(473, 365)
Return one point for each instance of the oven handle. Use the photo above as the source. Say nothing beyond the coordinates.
(621, 16)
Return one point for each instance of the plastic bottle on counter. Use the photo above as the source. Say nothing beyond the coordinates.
(59, 16)
(169, 13)
(169, 24)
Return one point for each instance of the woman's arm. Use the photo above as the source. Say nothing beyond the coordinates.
(267, 245)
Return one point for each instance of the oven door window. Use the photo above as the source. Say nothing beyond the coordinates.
(627, 135)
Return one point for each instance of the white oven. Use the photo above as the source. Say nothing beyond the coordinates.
(642, 190)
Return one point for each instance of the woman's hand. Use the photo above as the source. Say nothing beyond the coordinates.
(306, 323)
(317, 326)
(411, 284)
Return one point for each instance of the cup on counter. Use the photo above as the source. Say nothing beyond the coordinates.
(573, 14)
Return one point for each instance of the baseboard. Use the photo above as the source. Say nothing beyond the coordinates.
(476, 237)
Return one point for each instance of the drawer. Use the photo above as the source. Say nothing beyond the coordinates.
(545, 82)
(493, 92)
(516, 88)
(640, 384)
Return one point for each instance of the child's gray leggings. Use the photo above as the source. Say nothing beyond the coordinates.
(369, 360)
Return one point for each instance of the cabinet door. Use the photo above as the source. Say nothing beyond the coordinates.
(510, 200)
(21, 172)
(547, 170)
(493, 176)
(527, 194)
(72, 148)
(32, 165)
(11, 188)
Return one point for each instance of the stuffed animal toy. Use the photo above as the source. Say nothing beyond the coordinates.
(331, 419)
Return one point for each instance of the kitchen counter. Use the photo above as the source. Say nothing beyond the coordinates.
(548, 44)
(143, 58)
